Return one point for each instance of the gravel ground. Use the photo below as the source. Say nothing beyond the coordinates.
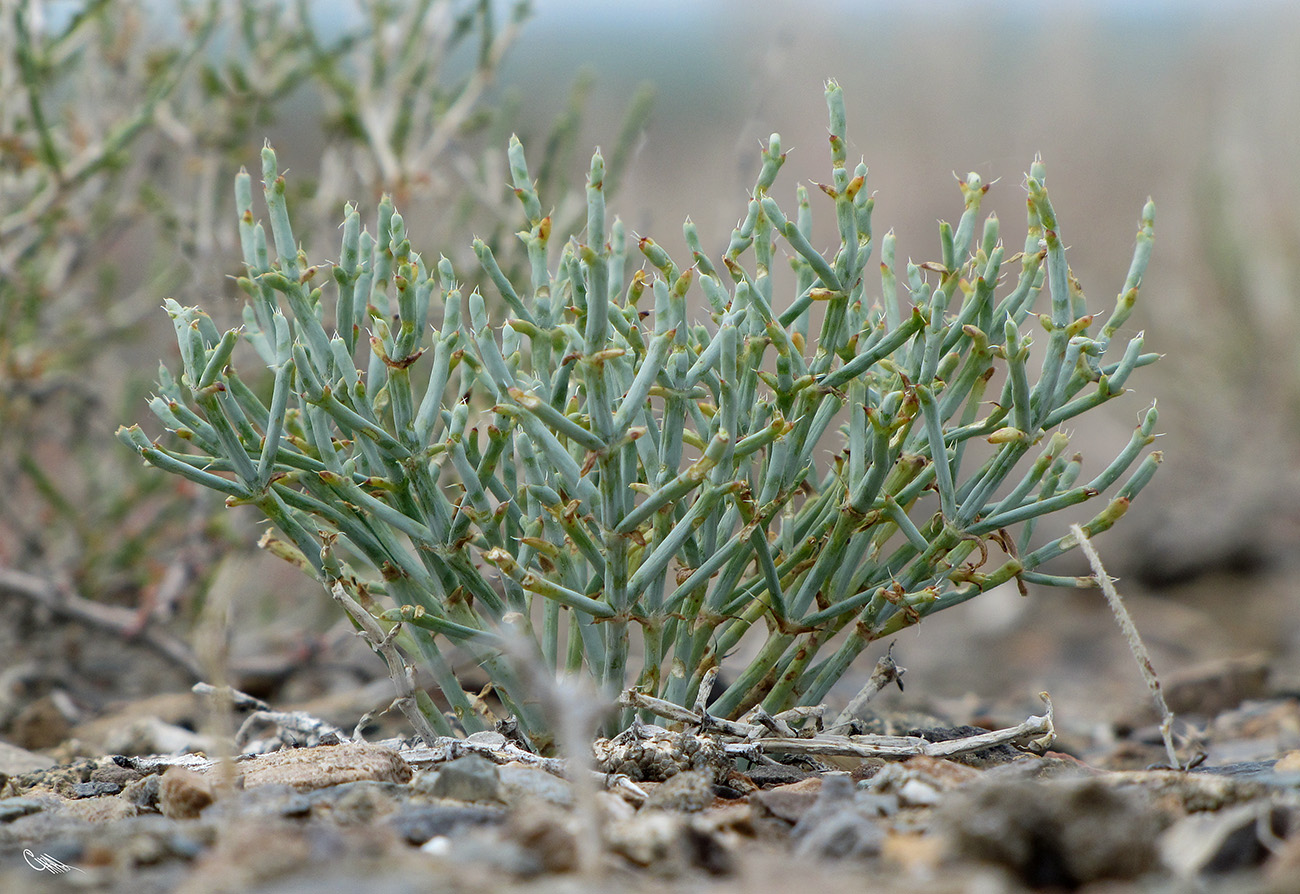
(1090, 814)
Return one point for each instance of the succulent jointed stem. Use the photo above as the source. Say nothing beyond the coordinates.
(603, 471)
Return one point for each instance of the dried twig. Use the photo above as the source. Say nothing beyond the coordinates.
(1135, 644)
(1035, 734)
(402, 674)
(670, 711)
(887, 671)
(122, 622)
(237, 699)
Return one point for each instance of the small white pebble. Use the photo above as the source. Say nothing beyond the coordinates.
(438, 846)
(916, 793)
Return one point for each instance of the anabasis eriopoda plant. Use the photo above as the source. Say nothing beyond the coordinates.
(641, 447)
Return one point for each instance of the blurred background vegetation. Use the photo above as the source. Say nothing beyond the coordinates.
(123, 122)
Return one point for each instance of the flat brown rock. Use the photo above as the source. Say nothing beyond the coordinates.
(321, 767)
(789, 802)
(183, 793)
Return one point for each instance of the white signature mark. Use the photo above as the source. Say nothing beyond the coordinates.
(46, 863)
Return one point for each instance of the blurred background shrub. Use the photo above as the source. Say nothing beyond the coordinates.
(122, 123)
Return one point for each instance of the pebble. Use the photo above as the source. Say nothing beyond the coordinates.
(689, 791)
(778, 774)
(487, 738)
(152, 839)
(94, 789)
(1226, 841)
(359, 803)
(835, 826)
(418, 824)
(123, 774)
(1056, 834)
(520, 784)
(937, 774)
(846, 832)
(100, 810)
(652, 837)
(143, 793)
(12, 808)
(264, 802)
(916, 793)
(1211, 689)
(613, 808)
(469, 778)
(183, 794)
(788, 802)
(546, 835)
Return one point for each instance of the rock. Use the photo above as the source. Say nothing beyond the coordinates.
(1288, 763)
(121, 773)
(183, 794)
(488, 738)
(249, 855)
(915, 793)
(874, 805)
(94, 789)
(788, 802)
(143, 793)
(844, 833)
(1283, 870)
(546, 835)
(15, 761)
(520, 784)
(273, 802)
(734, 786)
(482, 852)
(1060, 834)
(57, 779)
(149, 840)
(469, 778)
(651, 838)
(359, 803)
(150, 735)
(1226, 841)
(324, 766)
(12, 808)
(291, 805)
(613, 808)
(1213, 788)
(939, 774)
(1052, 765)
(40, 724)
(688, 791)
(100, 810)
(835, 826)
(780, 774)
(178, 710)
(709, 848)
(418, 824)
